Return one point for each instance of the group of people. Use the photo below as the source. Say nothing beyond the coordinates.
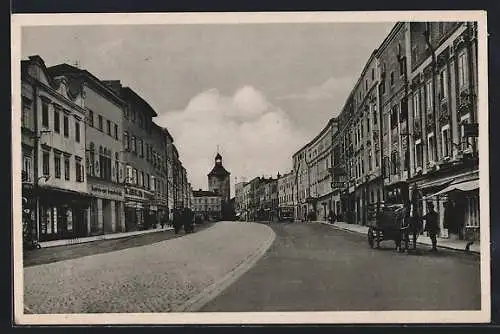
(183, 218)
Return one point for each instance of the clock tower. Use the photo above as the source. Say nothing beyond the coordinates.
(219, 180)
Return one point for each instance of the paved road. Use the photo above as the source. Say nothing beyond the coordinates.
(314, 267)
(160, 277)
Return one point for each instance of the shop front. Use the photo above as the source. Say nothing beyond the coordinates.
(106, 211)
(62, 214)
(137, 208)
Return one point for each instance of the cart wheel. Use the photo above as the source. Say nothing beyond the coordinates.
(371, 240)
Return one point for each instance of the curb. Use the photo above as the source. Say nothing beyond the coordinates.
(111, 236)
(209, 293)
(420, 243)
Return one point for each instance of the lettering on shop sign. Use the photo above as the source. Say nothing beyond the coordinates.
(134, 192)
(106, 191)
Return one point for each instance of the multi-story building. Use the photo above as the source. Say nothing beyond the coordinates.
(302, 189)
(443, 76)
(286, 186)
(103, 146)
(343, 164)
(139, 178)
(53, 149)
(268, 199)
(239, 201)
(247, 201)
(253, 199)
(319, 163)
(159, 204)
(207, 205)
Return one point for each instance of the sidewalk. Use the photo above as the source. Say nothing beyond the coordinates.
(459, 245)
(110, 236)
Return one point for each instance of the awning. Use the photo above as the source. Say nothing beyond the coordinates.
(462, 186)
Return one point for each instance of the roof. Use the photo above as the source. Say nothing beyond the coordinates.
(218, 170)
(65, 69)
(204, 193)
(129, 92)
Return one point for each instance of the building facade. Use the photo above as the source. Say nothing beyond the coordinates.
(444, 161)
(53, 150)
(137, 157)
(104, 114)
(319, 162)
(239, 199)
(286, 186)
(207, 205)
(219, 183)
(302, 188)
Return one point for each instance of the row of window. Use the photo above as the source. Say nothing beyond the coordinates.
(56, 119)
(111, 128)
(62, 164)
(141, 148)
(142, 179)
(133, 115)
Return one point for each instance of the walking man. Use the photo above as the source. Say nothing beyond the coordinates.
(432, 225)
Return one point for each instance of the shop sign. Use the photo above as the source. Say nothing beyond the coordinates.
(105, 191)
(135, 193)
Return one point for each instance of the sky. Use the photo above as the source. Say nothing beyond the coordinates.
(258, 91)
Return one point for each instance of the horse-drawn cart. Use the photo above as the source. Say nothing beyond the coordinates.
(388, 223)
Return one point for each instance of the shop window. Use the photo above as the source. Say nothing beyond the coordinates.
(57, 166)
(69, 220)
(472, 211)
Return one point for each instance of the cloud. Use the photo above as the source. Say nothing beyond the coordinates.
(329, 89)
(256, 138)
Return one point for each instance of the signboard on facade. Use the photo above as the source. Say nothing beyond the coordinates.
(106, 191)
(136, 194)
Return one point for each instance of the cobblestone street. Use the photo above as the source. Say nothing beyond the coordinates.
(159, 277)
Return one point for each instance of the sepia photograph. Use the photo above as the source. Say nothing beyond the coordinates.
(250, 168)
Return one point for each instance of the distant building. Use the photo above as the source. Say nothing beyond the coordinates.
(286, 187)
(239, 199)
(207, 205)
(219, 183)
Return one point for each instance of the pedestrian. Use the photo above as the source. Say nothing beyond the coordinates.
(432, 225)
(331, 217)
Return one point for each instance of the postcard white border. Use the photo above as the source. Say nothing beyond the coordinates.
(379, 317)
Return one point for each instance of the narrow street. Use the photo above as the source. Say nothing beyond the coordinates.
(313, 267)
